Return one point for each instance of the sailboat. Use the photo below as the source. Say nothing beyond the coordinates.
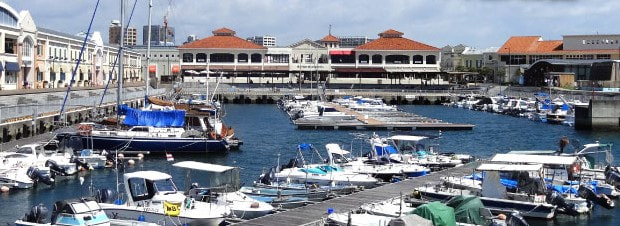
(150, 130)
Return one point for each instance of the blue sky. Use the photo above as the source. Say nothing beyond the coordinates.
(478, 23)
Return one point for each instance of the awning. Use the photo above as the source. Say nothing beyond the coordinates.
(152, 68)
(12, 66)
(341, 52)
(537, 159)
(175, 68)
(505, 167)
(201, 166)
(360, 70)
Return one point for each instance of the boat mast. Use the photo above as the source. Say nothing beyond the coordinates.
(148, 54)
(119, 76)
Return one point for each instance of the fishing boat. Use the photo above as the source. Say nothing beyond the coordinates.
(153, 197)
(67, 212)
(222, 186)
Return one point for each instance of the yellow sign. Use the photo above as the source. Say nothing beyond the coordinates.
(172, 208)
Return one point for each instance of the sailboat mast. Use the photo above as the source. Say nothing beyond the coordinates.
(119, 76)
(148, 52)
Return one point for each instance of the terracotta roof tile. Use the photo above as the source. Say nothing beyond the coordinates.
(392, 40)
(222, 38)
(530, 44)
(330, 38)
(224, 31)
(391, 33)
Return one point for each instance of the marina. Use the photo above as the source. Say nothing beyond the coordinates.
(112, 132)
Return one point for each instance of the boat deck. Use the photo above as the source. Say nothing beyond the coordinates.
(380, 121)
(314, 214)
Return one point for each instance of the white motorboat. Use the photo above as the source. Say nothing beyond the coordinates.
(394, 207)
(16, 178)
(299, 172)
(153, 197)
(223, 187)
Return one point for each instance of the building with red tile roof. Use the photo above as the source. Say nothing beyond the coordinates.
(393, 40)
(223, 38)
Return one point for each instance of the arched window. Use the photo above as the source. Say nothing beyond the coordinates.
(377, 59)
(222, 58)
(363, 59)
(201, 57)
(188, 57)
(418, 59)
(27, 47)
(242, 57)
(431, 59)
(397, 59)
(257, 58)
(7, 18)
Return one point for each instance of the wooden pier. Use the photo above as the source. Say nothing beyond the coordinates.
(380, 121)
(314, 214)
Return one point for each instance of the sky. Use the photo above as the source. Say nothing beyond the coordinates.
(477, 23)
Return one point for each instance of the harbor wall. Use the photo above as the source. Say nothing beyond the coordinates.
(598, 115)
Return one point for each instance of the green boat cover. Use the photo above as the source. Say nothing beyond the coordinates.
(438, 213)
(467, 209)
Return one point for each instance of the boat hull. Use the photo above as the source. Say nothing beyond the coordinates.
(128, 213)
(153, 145)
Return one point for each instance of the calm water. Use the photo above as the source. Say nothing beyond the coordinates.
(266, 132)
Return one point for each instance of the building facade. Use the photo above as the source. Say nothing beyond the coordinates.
(35, 58)
(114, 34)
(265, 40)
(160, 35)
(163, 63)
(519, 52)
(390, 59)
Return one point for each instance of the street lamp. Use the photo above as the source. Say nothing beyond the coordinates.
(508, 63)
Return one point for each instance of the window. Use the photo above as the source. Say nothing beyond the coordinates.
(398, 59)
(242, 58)
(27, 47)
(10, 77)
(9, 45)
(363, 59)
(7, 18)
(377, 59)
(418, 59)
(188, 57)
(201, 57)
(257, 58)
(431, 59)
(277, 58)
(39, 76)
(603, 56)
(222, 58)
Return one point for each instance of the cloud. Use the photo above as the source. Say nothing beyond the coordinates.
(479, 23)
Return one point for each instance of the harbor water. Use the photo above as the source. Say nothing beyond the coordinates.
(267, 134)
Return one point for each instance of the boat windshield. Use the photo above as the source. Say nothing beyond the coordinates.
(164, 186)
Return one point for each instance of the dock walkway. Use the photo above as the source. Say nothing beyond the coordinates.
(313, 214)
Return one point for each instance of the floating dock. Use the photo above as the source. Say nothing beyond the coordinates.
(314, 214)
(368, 120)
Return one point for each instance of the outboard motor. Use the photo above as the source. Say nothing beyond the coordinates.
(37, 214)
(79, 163)
(612, 176)
(55, 169)
(555, 198)
(104, 196)
(36, 176)
(266, 178)
(588, 193)
(515, 219)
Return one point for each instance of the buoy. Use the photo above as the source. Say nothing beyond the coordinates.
(131, 162)
(120, 156)
(140, 156)
(5, 189)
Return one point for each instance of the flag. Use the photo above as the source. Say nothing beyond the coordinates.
(169, 157)
(172, 209)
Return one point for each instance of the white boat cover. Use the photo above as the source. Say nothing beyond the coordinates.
(538, 159)
(335, 148)
(407, 138)
(506, 167)
(208, 167)
(149, 175)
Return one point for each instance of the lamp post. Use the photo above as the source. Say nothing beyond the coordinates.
(508, 63)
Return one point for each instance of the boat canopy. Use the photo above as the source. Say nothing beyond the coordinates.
(533, 152)
(385, 150)
(148, 175)
(407, 138)
(539, 159)
(163, 118)
(304, 146)
(506, 167)
(201, 166)
(335, 148)
(437, 212)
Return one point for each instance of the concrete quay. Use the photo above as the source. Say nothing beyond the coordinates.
(27, 113)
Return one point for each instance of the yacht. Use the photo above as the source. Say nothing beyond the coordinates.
(153, 197)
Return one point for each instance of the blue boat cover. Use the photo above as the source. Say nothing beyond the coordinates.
(304, 146)
(169, 118)
(385, 150)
